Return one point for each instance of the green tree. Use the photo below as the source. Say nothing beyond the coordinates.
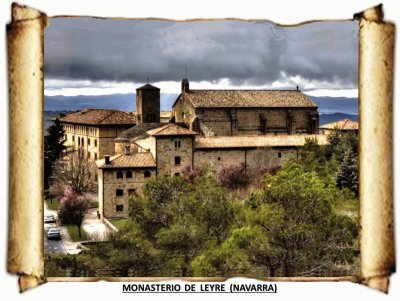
(291, 229)
(312, 157)
(347, 175)
(178, 219)
(53, 148)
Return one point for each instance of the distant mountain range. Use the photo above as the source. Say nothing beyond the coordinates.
(329, 118)
(329, 105)
(330, 108)
(122, 102)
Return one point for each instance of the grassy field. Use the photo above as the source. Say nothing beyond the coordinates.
(119, 223)
(52, 204)
(93, 204)
(73, 232)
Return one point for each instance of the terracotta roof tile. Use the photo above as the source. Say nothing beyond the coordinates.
(140, 131)
(171, 129)
(100, 117)
(343, 125)
(248, 98)
(124, 161)
(256, 141)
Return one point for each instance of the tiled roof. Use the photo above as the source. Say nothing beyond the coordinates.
(99, 117)
(135, 160)
(343, 125)
(137, 131)
(256, 141)
(171, 130)
(140, 131)
(248, 98)
(148, 87)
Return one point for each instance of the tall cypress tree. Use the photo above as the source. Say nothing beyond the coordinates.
(53, 147)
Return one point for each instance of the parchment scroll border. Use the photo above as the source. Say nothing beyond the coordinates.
(26, 71)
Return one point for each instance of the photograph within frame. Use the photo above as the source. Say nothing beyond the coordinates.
(389, 45)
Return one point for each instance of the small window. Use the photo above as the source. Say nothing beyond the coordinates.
(177, 143)
(177, 160)
(120, 175)
(95, 142)
(219, 158)
(88, 155)
(279, 155)
(129, 175)
(177, 174)
(131, 192)
(147, 174)
(95, 156)
(73, 138)
(79, 141)
(119, 192)
(119, 208)
(88, 141)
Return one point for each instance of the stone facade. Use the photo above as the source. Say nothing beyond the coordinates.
(94, 141)
(255, 160)
(245, 112)
(259, 129)
(184, 111)
(172, 154)
(115, 192)
(147, 104)
(245, 121)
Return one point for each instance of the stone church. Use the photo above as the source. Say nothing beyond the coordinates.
(258, 129)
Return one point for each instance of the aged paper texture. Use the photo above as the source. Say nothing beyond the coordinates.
(376, 162)
(25, 63)
(25, 250)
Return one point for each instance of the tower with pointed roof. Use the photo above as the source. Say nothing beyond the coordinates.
(147, 104)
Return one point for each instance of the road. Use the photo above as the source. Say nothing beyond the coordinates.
(51, 245)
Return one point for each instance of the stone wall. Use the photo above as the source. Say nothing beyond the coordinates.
(148, 105)
(255, 159)
(95, 142)
(247, 121)
(184, 111)
(108, 184)
(166, 153)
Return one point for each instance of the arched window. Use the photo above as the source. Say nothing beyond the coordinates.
(147, 174)
(129, 175)
(120, 175)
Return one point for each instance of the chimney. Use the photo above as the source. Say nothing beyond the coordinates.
(107, 159)
(127, 150)
(185, 85)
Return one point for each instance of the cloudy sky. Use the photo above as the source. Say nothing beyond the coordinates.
(87, 56)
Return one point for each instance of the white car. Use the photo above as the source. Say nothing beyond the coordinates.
(49, 218)
(53, 233)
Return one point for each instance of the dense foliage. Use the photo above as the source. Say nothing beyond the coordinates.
(234, 176)
(53, 148)
(302, 221)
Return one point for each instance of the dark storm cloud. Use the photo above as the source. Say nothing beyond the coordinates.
(253, 53)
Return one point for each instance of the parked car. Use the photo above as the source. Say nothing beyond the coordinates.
(49, 218)
(53, 233)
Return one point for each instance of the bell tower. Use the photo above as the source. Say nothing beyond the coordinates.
(147, 104)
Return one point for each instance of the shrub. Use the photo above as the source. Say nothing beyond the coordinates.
(234, 176)
(190, 174)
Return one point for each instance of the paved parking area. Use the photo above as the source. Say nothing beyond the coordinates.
(52, 245)
(95, 228)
